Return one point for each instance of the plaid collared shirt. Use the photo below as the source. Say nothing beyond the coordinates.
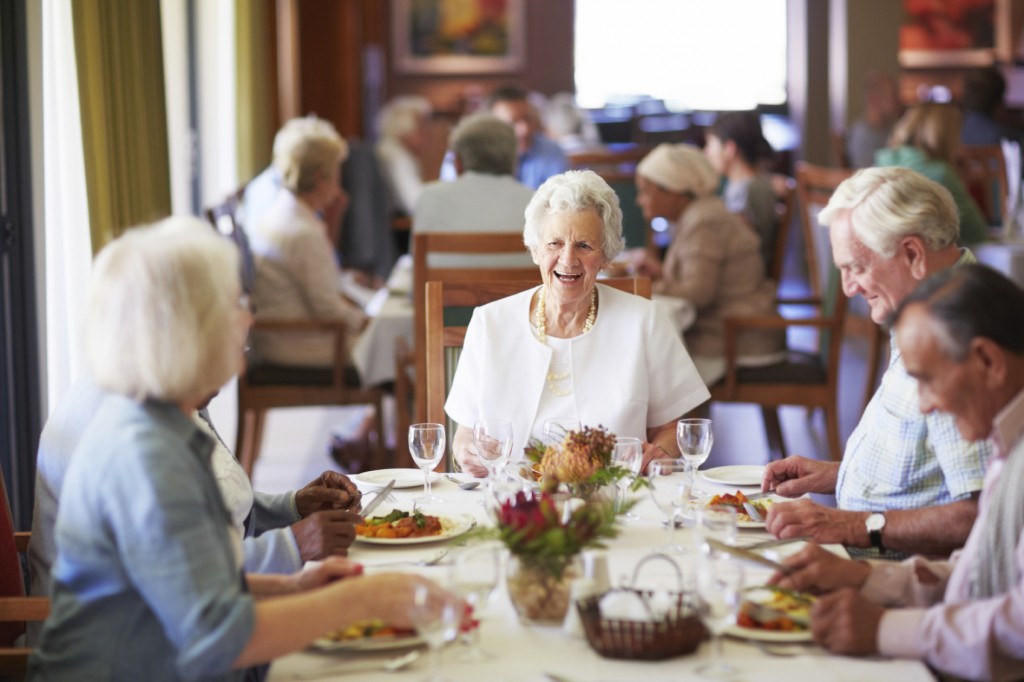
(898, 458)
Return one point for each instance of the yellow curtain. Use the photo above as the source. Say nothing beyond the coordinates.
(254, 124)
(119, 56)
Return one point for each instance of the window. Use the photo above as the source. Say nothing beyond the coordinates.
(708, 55)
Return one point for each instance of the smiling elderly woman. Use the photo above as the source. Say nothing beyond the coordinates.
(572, 348)
(148, 581)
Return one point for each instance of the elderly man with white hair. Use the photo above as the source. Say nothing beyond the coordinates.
(908, 482)
(400, 141)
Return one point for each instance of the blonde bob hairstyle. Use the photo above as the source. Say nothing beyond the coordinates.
(306, 150)
(886, 205)
(932, 128)
(162, 319)
(576, 192)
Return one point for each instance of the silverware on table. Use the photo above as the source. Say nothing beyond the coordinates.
(429, 561)
(375, 502)
(465, 485)
(747, 555)
(391, 665)
(753, 512)
(777, 542)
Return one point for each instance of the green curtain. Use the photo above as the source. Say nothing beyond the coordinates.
(255, 100)
(118, 50)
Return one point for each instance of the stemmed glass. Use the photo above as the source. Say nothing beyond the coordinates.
(436, 622)
(695, 438)
(474, 576)
(426, 445)
(493, 440)
(717, 522)
(670, 489)
(629, 454)
(555, 429)
(720, 590)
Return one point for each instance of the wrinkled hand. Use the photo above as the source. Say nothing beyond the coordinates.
(818, 571)
(330, 490)
(821, 524)
(796, 476)
(325, 533)
(846, 623)
(651, 453)
(327, 571)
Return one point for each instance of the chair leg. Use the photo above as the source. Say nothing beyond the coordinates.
(832, 431)
(773, 430)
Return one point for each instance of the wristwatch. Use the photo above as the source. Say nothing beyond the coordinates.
(875, 523)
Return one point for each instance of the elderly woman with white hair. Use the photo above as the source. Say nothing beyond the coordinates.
(297, 272)
(148, 582)
(573, 348)
(401, 139)
(714, 259)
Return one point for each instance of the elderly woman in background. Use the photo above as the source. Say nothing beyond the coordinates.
(714, 259)
(572, 348)
(924, 140)
(148, 582)
(401, 138)
(297, 273)
(735, 147)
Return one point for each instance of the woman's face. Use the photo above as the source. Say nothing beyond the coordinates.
(570, 253)
(656, 202)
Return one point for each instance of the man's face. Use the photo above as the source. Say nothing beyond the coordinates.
(883, 282)
(961, 389)
(519, 115)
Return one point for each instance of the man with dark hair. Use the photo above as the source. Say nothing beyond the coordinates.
(539, 157)
(983, 104)
(961, 334)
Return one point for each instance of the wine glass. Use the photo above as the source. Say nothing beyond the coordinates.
(436, 622)
(695, 439)
(474, 576)
(555, 429)
(717, 522)
(720, 590)
(670, 489)
(629, 454)
(426, 445)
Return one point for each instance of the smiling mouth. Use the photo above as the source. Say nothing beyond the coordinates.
(563, 277)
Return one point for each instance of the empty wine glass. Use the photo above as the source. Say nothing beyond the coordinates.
(436, 619)
(474, 576)
(629, 454)
(670, 490)
(720, 590)
(426, 445)
(555, 429)
(695, 438)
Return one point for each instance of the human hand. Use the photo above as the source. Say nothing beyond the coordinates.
(653, 451)
(821, 524)
(464, 449)
(390, 597)
(325, 533)
(321, 573)
(846, 623)
(330, 490)
(796, 476)
(818, 571)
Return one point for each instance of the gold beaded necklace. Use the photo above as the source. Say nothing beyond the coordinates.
(542, 336)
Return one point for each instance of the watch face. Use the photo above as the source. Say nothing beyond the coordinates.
(875, 522)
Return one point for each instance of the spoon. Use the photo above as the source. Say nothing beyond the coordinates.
(390, 665)
(465, 485)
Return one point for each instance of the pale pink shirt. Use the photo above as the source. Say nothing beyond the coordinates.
(976, 639)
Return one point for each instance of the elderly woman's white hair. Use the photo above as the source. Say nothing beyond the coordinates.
(305, 150)
(162, 314)
(401, 116)
(887, 204)
(576, 192)
(679, 168)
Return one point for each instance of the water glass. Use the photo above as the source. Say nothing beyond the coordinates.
(474, 576)
(629, 454)
(718, 523)
(493, 441)
(720, 591)
(670, 490)
(694, 438)
(426, 445)
(436, 621)
(556, 429)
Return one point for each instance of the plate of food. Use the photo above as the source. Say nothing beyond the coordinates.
(736, 500)
(404, 528)
(403, 478)
(369, 635)
(773, 614)
(736, 474)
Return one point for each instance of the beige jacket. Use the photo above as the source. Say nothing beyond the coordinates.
(714, 261)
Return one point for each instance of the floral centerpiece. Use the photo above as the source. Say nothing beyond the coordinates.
(583, 460)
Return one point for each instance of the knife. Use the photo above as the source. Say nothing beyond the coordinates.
(748, 555)
(375, 502)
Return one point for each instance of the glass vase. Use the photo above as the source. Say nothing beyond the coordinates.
(539, 595)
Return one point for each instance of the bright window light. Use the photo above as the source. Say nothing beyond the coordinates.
(707, 55)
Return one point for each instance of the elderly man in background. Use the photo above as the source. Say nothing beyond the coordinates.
(539, 156)
(486, 197)
(961, 335)
(908, 482)
(401, 138)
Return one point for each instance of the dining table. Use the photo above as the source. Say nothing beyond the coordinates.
(526, 652)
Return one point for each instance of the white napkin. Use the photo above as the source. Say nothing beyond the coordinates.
(624, 606)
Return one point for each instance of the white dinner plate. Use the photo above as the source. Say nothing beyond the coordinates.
(756, 635)
(451, 527)
(736, 474)
(404, 478)
(368, 643)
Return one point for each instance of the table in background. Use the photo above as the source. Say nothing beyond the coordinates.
(525, 653)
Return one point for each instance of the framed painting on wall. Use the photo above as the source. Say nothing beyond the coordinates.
(950, 33)
(457, 36)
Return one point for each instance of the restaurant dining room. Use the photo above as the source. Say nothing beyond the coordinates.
(517, 340)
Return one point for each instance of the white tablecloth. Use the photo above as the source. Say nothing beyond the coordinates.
(374, 352)
(525, 653)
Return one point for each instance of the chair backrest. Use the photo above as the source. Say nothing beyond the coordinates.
(442, 336)
(617, 166)
(12, 581)
(815, 186)
(785, 201)
(456, 243)
(983, 170)
(224, 218)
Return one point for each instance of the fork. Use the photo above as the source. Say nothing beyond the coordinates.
(753, 512)
(432, 561)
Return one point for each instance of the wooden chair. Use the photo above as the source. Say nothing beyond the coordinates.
(785, 195)
(15, 608)
(617, 166)
(983, 170)
(443, 337)
(264, 386)
(837, 138)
